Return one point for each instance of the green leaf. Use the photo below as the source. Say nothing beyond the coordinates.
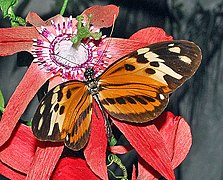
(2, 102)
(6, 5)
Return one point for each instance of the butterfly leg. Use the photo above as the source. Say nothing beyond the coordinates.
(107, 123)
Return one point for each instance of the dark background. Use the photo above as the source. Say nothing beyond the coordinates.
(199, 101)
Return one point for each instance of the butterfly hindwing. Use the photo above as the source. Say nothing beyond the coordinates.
(135, 103)
(135, 88)
(64, 115)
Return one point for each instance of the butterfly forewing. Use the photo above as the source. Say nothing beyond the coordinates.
(135, 88)
(64, 114)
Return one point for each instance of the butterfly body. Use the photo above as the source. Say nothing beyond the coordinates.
(133, 89)
(93, 88)
(91, 82)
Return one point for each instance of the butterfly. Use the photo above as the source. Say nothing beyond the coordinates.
(134, 89)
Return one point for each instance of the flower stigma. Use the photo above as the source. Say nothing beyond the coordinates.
(55, 52)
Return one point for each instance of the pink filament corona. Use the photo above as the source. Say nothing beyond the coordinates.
(55, 52)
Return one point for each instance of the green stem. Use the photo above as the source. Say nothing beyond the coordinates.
(112, 158)
(63, 7)
(15, 20)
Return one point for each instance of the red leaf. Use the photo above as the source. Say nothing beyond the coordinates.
(45, 160)
(18, 151)
(151, 35)
(150, 146)
(177, 135)
(10, 173)
(25, 91)
(95, 151)
(102, 16)
(73, 168)
(16, 39)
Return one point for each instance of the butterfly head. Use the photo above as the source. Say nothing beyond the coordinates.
(89, 74)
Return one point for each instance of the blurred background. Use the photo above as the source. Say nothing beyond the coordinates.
(199, 101)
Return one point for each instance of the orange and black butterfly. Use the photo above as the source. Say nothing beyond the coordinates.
(135, 89)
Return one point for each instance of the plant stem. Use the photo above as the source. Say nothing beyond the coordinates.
(63, 7)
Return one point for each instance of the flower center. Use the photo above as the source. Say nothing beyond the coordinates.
(64, 54)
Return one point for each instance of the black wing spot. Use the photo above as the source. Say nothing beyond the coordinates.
(120, 100)
(154, 64)
(149, 99)
(130, 100)
(110, 100)
(142, 59)
(117, 70)
(150, 71)
(104, 102)
(68, 94)
(129, 67)
(140, 100)
(60, 95)
(56, 107)
(61, 110)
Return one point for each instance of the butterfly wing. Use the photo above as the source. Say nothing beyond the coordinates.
(64, 114)
(135, 88)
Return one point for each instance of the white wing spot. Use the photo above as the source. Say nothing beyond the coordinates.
(162, 97)
(175, 50)
(185, 59)
(42, 108)
(67, 137)
(170, 45)
(143, 50)
(54, 98)
(40, 123)
(151, 56)
(56, 89)
(162, 70)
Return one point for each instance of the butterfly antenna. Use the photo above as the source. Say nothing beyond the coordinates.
(109, 40)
